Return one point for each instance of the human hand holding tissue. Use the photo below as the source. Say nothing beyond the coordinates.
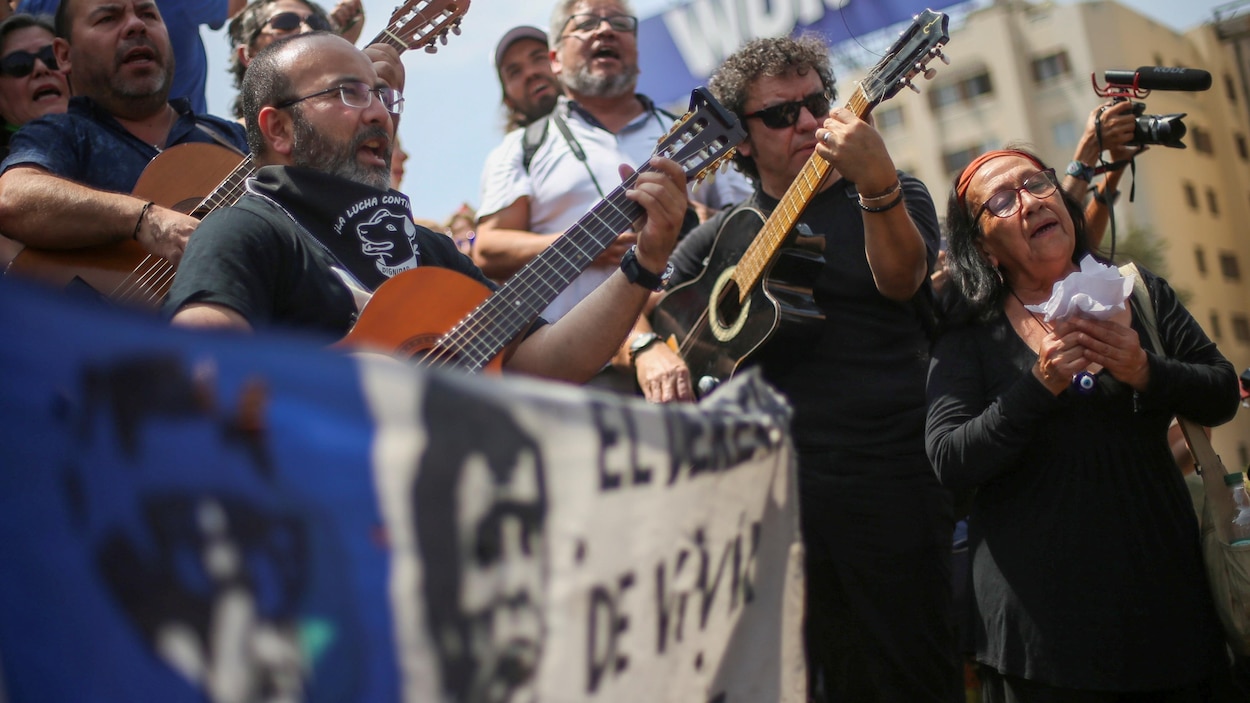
(1092, 302)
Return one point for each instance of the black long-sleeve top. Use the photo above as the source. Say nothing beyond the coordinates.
(1086, 564)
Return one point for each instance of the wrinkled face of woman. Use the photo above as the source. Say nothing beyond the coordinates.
(1025, 227)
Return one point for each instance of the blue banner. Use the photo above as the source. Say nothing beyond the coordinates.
(218, 517)
(680, 48)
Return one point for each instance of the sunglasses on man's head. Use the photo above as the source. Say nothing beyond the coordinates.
(290, 21)
(19, 64)
(787, 114)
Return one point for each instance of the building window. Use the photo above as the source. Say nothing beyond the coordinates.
(1053, 66)
(962, 91)
(1216, 333)
(1202, 140)
(1191, 196)
(889, 118)
(954, 161)
(1200, 261)
(1241, 329)
(1229, 268)
(1065, 134)
(1231, 88)
(1242, 151)
(1213, 204)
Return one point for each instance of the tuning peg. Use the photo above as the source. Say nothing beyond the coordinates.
(442, 39)
(431, 49)
(455, 29)
(929, 73)
(938, 53)
(909, 84)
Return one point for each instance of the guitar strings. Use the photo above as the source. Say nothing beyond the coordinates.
(479, 333)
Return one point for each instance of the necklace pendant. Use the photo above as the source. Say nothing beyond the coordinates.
(1084, 383)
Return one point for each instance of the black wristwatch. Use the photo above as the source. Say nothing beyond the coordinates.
(641, 343)
(1076, 169)
(635, 273)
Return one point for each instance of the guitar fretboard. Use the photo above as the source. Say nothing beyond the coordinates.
(504, 315)
(754, 261)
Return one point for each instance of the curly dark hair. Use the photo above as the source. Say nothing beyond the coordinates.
(774, 56)
(980, 284)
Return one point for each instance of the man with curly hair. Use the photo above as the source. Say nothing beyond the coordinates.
(876, 524)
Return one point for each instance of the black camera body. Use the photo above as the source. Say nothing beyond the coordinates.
(1164, 130)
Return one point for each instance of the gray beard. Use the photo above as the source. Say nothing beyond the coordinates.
(582, 82)
(311, 150)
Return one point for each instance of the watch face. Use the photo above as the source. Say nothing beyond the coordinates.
(642, 340)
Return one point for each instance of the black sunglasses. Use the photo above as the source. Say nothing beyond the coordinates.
(786, 114)
(20, 64)
(291, 21)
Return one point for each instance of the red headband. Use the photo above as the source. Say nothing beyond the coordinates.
(965, 178)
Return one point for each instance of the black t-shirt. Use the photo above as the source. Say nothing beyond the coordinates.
(860, 387)
(253, 259)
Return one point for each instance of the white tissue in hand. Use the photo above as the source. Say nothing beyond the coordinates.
(1096, 291)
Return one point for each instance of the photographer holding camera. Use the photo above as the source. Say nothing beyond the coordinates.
(1110, 127)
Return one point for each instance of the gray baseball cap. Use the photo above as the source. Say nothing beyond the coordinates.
(513, 36)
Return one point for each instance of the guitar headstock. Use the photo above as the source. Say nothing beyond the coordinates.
(423, 23)
(907, 57)
(704, 138)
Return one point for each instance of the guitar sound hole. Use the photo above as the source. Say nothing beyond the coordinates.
(728, 308)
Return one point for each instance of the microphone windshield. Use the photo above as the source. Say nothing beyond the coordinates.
(1162, 78)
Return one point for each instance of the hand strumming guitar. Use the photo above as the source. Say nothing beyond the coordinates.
(165, 232)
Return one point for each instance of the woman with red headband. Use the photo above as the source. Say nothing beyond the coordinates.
(1087, 578)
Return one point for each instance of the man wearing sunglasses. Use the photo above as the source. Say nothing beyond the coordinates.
(319, 229)
(526, 204)
(264, 21)
(876, 524)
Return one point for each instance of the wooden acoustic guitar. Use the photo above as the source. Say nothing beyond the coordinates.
(752, 285)
(438, 317)
(197, 178)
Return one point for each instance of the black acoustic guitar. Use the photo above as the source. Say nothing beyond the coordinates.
(759, 274)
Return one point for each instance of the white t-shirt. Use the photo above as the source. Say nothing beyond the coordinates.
(560, 190)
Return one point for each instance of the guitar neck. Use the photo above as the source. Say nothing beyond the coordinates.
(772, 235)
(497, 321)
(229, 190)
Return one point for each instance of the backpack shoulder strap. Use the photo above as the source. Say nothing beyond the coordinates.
(535, 135)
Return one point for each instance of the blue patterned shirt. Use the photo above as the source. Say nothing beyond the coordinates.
(87, 145)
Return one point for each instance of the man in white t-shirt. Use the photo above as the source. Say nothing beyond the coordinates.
(594, 55)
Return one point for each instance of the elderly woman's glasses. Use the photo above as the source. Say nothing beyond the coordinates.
(787, 114)
(19, 64)
(355, 94)
(585, 22)
(1006, 202)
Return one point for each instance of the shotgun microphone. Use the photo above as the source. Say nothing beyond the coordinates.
(1161, 78)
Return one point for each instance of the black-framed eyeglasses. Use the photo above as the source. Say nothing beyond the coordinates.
(19, 64)
(1006, 202)
(356, 94)
(787, 114)
(291, 21)
(587, 22)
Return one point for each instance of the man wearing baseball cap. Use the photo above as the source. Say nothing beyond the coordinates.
(523, 63)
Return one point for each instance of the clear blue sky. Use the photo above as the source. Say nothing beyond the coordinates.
(452, 117)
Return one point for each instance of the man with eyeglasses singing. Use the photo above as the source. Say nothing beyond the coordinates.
(529, 199)
(64, 182)
(319, 229)
(876, 524)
